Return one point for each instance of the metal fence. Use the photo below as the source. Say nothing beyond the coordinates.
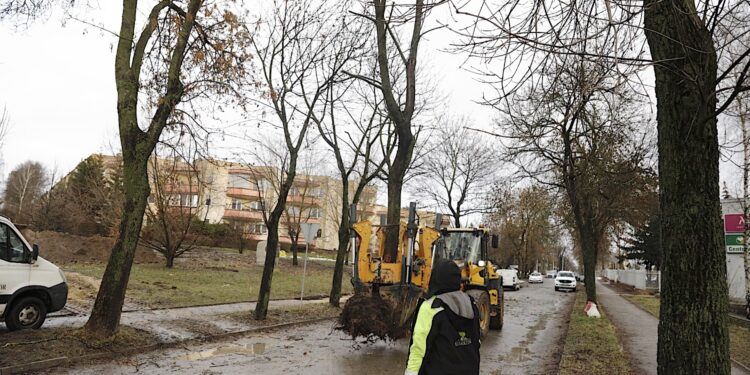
(640, 279)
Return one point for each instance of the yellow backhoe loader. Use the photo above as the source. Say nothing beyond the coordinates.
(388, 292)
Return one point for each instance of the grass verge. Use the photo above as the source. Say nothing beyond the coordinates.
(739, 336)
(288, 314)
(36, 345)
(591, 345)
(155, 286)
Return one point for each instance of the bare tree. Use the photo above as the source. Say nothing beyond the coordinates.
(401, 110)
(4, 130)
(574, 131)
(298, 64)
(457, 169)
(357, 133)
(186, 50)
(25, 186)
(528, 229)
(696, 79)
(174, 201)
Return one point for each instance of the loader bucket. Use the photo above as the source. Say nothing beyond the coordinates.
(382, 312)
(404, 298)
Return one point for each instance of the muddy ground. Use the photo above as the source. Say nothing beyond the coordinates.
(530, 343)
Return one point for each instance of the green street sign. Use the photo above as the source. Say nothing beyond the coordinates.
(733, 240)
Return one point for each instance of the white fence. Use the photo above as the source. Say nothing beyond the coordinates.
(640, 279)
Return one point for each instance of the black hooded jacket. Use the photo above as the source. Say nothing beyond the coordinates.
(445, 338)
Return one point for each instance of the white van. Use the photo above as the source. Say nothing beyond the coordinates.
(30, 287)
(510, 279)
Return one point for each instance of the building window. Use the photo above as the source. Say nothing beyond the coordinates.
(236, 204)
(263, 184)
(315, 192)
(256, 205)
(293, 211)
(314, 212)
(258, 228)
(239, 181)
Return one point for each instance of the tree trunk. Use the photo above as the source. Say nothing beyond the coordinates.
(745, 193)
(693, 337)
(170, 260)
(343, 248)
(294, 252)
(264, 295)
(590, 248)
(393, 220)
(105, 316)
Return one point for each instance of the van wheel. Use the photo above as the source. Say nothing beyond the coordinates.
(26, 313)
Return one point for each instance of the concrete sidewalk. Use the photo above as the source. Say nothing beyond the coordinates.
(638, 329)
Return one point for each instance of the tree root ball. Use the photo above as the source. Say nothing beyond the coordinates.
(370, 316)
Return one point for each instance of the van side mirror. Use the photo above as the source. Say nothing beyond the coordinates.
(495, 241)
(34, 252)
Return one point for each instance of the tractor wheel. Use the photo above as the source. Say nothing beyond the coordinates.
(482, 299)
(496, 322)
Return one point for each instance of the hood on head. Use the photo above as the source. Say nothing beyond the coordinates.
(445, 277)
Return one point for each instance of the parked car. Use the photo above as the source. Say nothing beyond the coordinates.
(510, 279)
(30, 287)
(536, 277)
(565, 280)
(551, 274)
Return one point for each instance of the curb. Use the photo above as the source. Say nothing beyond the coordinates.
(740, 365)
(68, 361)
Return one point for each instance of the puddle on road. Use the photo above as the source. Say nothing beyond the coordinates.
(255, 348)
(518, 354)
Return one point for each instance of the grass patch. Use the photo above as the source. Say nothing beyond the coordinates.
(288, 314)
(649, 303)
(591, 345)
(739, 343)
(35, 345)
(739, 335)
(155, 286)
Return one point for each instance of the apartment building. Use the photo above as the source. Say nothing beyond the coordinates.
(241, 196)
(217, 191)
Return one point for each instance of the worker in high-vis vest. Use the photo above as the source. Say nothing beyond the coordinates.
(445, 336)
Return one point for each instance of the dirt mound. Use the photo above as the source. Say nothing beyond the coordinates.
(68, 248)
(370, 316)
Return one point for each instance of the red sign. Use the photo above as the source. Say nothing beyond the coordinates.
(733, 223)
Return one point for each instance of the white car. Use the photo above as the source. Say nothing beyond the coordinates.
(565, 280)
(30, 287)
(536, 277)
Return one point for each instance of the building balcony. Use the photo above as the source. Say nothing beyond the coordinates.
(242, 193)
(242, 215)
(190, 189)
(304, 200)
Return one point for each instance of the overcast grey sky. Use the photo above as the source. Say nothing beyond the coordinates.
(57, 83)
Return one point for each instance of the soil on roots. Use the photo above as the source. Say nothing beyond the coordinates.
(372, 317)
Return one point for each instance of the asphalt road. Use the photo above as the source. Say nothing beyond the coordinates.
(529, 343)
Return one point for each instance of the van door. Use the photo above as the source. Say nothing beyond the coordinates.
(15, 269)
